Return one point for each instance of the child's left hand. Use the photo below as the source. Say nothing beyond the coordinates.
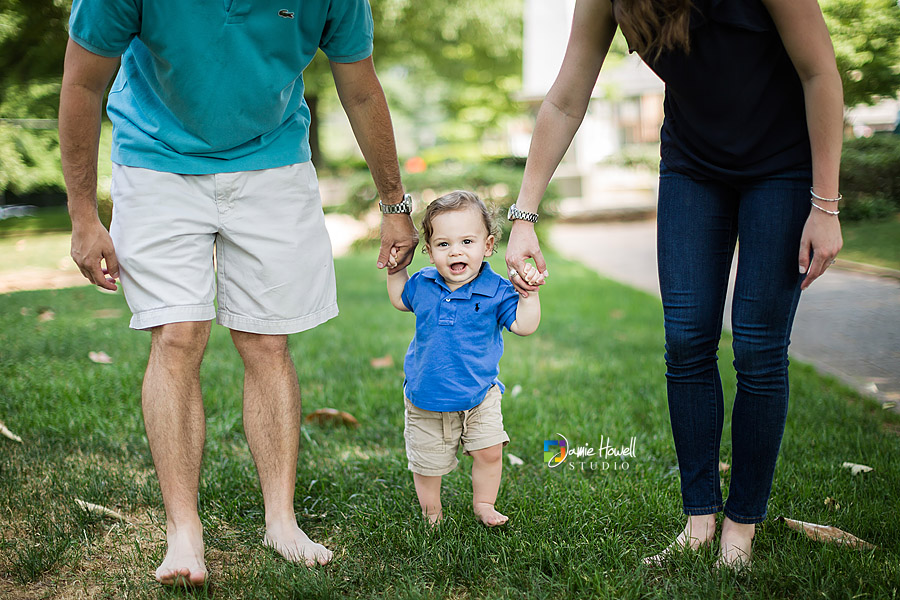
(532, 276)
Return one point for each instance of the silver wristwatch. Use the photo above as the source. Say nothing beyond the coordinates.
(404, 207)
(514, 213)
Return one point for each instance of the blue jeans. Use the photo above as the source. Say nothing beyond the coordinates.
(699, 222)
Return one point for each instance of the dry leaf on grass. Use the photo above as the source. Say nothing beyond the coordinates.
(100, 357)
(888, 405)
(723, 466)
(24, 311)
(383, 362)
(827, 533)
(332, 416)
(100, 510)
(856, 469)
(832, 504)
(515, 391)
(9, 434)
(45, 314)
(107, 313)
(515, 460)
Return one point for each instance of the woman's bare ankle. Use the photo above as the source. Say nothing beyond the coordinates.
(700, 530)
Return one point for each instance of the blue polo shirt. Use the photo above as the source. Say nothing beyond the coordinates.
(454, 358)
(213, 86)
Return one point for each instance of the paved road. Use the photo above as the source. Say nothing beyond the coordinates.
(848, 323)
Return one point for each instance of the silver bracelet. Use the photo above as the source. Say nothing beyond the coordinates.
(830, 212)
(818, 197)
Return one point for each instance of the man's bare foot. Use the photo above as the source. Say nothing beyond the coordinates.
(699, 531)
(183, 565)
(736, 546)
(489, 515)
(290, 542)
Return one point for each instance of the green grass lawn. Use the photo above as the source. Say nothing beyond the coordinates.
(47, 251)
(873, 242)
(594, 368)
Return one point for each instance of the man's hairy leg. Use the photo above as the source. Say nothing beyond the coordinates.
(176, 430)
(272, 426)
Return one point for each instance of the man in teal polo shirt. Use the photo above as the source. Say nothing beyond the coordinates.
(211, 155)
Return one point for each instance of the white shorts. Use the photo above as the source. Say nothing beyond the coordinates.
(273, 271)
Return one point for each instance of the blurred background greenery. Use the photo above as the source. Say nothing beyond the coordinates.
(452, 72)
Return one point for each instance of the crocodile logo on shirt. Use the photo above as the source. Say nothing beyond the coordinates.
(285, 13)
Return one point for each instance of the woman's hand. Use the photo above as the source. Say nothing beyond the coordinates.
(822, 240)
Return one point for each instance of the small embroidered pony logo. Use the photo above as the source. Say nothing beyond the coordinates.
(285, 13)
(476, 307)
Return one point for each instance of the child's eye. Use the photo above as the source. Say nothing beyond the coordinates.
(442, 244)
(467, 241)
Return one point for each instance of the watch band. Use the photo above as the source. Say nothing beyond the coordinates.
(516, 214)
(404, 207)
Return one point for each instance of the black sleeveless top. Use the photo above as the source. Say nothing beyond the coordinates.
(734, 105)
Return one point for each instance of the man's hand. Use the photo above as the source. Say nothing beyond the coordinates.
(822, 239)
(398, 242)
(91, 246)
(523, 244)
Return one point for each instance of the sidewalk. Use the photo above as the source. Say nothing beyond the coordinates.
(847, 324)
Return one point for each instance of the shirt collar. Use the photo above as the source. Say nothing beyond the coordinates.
(484, 285)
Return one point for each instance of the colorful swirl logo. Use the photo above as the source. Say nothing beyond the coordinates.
(555, 451)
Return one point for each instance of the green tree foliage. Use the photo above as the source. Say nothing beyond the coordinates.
(33, 38)
(466, 54)
(462, 57)
(866, 36)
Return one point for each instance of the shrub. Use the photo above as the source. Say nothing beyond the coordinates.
(29, 160)
(870, 177)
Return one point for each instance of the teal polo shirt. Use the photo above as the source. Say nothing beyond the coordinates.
(212, 86)
(454, 357)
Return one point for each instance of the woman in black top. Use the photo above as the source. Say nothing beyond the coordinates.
(750, 148)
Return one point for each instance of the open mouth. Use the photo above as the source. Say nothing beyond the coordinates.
(457, 268)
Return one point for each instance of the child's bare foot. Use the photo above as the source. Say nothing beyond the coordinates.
(433, 518)
(289, 541)
(736, 546)
(489, 515)
(183, 565)
(699, 531)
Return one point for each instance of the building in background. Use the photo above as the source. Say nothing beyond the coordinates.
(621, 126)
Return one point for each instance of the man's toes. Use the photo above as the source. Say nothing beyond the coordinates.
(322, 556)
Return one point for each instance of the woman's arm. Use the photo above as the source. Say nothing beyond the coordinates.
(558, 119)
(802, 28)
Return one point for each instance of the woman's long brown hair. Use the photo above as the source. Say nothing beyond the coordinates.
(654, 26)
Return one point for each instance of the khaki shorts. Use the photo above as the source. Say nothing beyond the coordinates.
(273, 271)
(433, 438)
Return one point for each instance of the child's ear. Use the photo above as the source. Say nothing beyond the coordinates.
(489, 246)
(428, 250)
